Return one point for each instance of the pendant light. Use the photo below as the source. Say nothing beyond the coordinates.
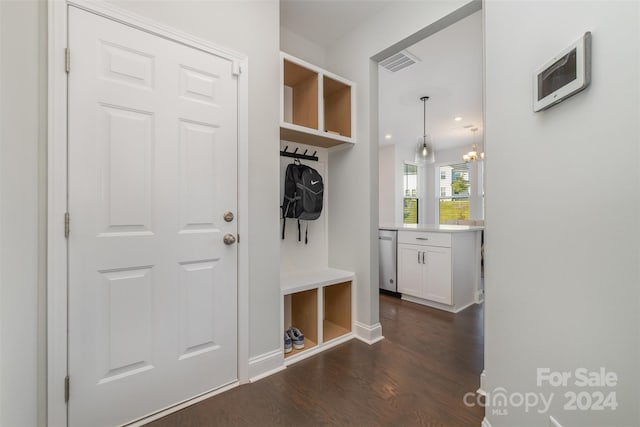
(424, 149)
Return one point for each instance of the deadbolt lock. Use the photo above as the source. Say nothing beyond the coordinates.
(228, 216)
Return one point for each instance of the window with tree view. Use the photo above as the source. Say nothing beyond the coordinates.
(454, 192)
(410, 200)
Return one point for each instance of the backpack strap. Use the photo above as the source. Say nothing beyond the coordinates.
(284, 222)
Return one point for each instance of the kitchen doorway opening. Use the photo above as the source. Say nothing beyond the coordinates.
(420, 263)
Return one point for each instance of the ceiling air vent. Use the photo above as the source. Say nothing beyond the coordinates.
(399, 61)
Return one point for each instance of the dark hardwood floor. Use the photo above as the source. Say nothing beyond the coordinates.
(417, 375)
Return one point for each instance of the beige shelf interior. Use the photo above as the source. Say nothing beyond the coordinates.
(337, 310)
(301, 311)
(303, 84)
(337, 107)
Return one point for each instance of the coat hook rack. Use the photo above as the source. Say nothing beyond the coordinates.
(296, 155)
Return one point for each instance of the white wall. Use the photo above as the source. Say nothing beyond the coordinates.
(352, 243)
(250, 27)
(562, 242)
(301, 47)
(22, 198)
(387, 184)
(298, 255)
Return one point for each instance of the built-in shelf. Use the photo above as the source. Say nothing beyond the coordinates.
(337, 311)
(319, 303)
(300, 280)
(337, 107)
(301, 311)
(317, 107)
(301, 92)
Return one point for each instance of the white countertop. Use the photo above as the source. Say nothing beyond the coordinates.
(436, 228)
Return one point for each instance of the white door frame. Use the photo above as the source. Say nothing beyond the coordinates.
(57, 257)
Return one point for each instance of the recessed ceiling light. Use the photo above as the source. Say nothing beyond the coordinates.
(457, 119)
(387, 136)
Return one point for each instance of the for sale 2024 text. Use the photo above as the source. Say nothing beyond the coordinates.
(585, 400)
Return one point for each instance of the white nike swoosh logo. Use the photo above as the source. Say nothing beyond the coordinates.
(314, 182)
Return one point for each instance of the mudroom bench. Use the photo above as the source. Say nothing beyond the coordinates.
(320, 304)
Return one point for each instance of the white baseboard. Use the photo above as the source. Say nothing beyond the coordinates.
(433, 304)
(370, 334)
(553, 422)
(482, 391)
(485, 423)
(265, 364)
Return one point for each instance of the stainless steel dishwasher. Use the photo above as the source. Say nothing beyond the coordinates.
(387, 248)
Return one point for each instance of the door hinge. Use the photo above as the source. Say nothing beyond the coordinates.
(238, 237)
(67, 221)
(66, 388)
(236, 68)
(67, 59)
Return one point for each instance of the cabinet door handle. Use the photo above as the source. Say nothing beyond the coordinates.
(423, 257)
(418, 257)
(422, 238)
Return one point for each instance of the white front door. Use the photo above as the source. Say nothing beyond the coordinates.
(152, 171)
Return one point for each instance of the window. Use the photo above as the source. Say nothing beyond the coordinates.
(454, 192)
(410, 199)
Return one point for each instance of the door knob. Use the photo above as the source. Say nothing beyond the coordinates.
(229, 239)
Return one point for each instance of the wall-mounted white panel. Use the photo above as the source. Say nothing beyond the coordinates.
(125, 310)
(197, 176)
(124, 65)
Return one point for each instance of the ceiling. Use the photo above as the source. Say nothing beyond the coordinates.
(450, 71)
(326, 21)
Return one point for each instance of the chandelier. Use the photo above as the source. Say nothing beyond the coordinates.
(473, 155)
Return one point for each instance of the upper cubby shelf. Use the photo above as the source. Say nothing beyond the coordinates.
(317, 107)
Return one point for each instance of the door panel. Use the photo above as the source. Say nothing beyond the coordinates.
(409, 270)
(152, 169)
(124, 146)
(438, 274)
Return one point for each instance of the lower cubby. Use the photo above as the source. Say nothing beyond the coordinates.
(320, 305)
(301, 311)
(337, 311)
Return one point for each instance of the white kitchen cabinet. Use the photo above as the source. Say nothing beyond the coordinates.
(410, 270)
(440, 270)
(425, 272)
(437, 274)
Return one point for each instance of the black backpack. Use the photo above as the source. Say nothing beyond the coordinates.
(303, 191)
